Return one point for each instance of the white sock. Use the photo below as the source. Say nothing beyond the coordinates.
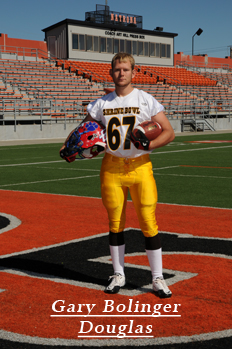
(117, 255)
(155, 261)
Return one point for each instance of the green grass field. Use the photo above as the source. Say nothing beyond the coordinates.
(186, 173)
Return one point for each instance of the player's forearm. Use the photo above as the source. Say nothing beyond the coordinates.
(164, 138)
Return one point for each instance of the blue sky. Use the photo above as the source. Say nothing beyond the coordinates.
(25, 19)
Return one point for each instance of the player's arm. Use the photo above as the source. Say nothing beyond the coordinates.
(88, 118)
(166, 136)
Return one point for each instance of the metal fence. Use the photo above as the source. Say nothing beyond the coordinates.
(13, 112)
(199, 116)
(23, 52)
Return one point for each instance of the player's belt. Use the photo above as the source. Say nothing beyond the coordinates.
(142, 158)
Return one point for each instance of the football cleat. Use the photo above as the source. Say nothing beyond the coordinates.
(117, 281)
(160, 288)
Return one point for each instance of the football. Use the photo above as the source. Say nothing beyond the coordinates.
(150, 128)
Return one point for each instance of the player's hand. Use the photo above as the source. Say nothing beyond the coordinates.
(141, 142)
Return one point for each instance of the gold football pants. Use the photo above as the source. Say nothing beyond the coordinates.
(117, 176)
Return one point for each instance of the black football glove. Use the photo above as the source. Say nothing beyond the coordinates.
(140, 141)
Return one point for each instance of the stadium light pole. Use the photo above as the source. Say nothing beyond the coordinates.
(198, 32)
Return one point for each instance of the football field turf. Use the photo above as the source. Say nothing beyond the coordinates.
(54, 255)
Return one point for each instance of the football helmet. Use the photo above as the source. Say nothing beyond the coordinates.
(85, 142)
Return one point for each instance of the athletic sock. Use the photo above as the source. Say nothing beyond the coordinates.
(155, 261)
(117, 255)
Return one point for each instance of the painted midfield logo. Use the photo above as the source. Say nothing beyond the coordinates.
(75, 272)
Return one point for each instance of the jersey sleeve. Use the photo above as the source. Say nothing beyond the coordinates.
(155, 106)
(94, 110)
(152, 105)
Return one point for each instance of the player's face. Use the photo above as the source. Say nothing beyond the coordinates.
(122, 73)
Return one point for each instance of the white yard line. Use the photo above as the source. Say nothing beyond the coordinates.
(31, 163)
(83, 177)
(69, 169)
(46, 181)
(164, 168)
(100, 158)
(181, 175)
(185, 150)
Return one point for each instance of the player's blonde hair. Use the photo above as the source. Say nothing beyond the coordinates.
(123, 57)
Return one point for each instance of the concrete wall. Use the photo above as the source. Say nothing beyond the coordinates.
(203, 61)
(222, 124)
(21, 47)
(34, 132)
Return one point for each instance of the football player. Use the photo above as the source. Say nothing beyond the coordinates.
(128, 167)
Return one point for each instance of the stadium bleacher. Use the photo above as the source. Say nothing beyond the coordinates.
(179, 89)
(24, 82)
(62, 88)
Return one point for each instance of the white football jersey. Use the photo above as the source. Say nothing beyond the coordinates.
(120, 115)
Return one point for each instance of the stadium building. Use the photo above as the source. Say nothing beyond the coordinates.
(104, 33)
